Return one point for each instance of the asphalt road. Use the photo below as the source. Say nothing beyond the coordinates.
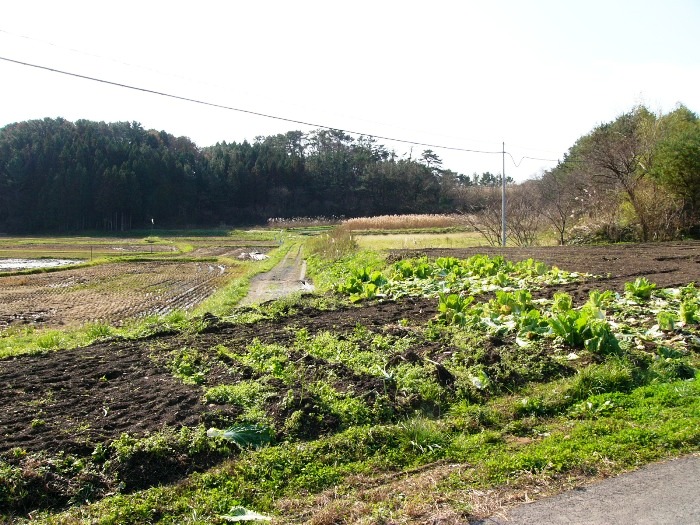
(665, 493)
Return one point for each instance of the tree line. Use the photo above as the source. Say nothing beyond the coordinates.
(634, 178)
(57, 175)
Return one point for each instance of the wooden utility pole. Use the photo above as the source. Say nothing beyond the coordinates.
(503, 198)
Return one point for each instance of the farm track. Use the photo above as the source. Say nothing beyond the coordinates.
(285, 278)
(72, 400)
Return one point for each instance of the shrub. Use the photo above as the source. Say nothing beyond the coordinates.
(336, 244)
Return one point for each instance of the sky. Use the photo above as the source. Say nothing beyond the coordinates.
(534, 75)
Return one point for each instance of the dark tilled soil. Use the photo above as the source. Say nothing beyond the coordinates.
(72, 400)
(666, 264)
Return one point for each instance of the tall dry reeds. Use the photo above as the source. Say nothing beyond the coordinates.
(402, 222)
(332, 245)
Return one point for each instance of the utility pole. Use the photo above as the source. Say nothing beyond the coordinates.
(503, 198)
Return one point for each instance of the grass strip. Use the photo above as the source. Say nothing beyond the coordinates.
(647, 424)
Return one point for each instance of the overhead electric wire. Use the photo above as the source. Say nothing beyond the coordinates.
(265, 115)
(517, 164)
(174, 75)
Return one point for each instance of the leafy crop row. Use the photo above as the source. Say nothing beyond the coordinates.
(643, 314)
(445, 275)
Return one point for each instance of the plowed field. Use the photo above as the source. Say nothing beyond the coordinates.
(91, 395)
(106, 293)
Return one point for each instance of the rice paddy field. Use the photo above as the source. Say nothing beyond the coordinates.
(110, 280)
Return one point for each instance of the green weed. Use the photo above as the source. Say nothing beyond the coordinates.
(98, 330)
(332, 246)
(50, 340)
(269, 359)
(189, 365)
(350, 409)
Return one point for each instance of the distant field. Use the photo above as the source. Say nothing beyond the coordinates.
(95, 247)
(78, 248)
(134, 277)
(401, 241)
(107, 292)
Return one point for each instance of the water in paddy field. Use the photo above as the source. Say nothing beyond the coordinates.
(9, 265)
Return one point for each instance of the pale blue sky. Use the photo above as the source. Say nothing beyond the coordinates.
(469, 74)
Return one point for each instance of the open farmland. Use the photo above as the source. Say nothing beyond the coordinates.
(377, 409)
(119, 279)
(108, 293)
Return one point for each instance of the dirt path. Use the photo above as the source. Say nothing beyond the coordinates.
(285, 278)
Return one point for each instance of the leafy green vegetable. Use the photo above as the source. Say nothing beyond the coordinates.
(245, 436)
(690, 307)
(243, 514)
(562, 302)
(641, 288)
(513, 302)
(667, 320)
(583, 329)
(453, 308)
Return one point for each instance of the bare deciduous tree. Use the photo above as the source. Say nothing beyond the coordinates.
(620, 154)
(485, 217)
(523, 221)
(562, 198)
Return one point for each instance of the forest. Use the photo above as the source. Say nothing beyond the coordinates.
(637, 177)
(57, 175)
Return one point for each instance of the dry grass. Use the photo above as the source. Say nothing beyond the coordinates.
(407, 497)
(302, 222)
(402, 222)
(424, 495)
(419, 241)
(333, 244)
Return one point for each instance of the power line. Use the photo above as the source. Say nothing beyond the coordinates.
(181, 77)
(517, 164)
(265, 115)
(170, 74)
